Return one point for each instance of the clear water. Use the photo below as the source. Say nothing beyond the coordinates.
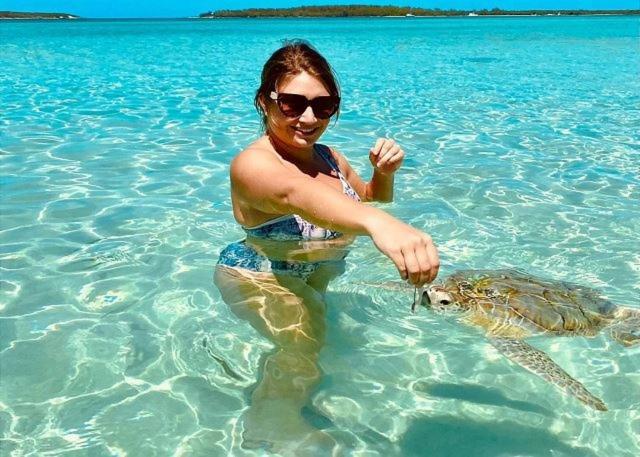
(523, 145)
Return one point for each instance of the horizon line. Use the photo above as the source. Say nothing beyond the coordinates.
(198, 15)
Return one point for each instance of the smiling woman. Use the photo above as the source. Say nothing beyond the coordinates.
(286, 186)
(298, 201)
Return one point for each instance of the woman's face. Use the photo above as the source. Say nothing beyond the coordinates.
(303, 131)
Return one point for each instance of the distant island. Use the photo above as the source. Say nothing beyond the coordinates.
(16, 15)
(405, 11)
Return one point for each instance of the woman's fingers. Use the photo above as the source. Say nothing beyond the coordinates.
(392, 155)
(434, 261)
(413, 265)
(398, 259)
(424, 262)
(411, 250)
(377, 148)
(384, 150)
(421, 261)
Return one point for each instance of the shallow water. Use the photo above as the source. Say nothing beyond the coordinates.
(522, 152)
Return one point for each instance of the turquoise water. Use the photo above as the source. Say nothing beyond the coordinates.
(523, 151)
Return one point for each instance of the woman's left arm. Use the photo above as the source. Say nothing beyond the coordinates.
(386, 157)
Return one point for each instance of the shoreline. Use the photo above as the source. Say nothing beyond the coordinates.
(413, 17)
(39, 18)
(196, 18)
(21, 16)
(368, 11)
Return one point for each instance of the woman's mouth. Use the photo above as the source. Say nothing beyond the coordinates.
(305, 131)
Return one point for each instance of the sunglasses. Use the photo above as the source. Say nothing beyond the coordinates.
(293, 105)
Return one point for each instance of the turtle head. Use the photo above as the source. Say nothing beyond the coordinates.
(440, 300)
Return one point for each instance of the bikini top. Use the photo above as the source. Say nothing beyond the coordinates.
(293, 227)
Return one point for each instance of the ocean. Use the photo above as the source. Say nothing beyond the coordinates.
(522, 141)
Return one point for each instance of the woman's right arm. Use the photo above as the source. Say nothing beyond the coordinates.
(262, 182)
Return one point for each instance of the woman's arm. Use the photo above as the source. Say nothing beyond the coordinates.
(262, 182)
(386, 157)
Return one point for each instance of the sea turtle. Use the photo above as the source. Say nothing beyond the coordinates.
(511, 305)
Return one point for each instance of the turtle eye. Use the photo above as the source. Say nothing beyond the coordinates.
(445, 302)
(491, 293)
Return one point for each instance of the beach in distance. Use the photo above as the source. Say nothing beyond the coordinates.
(521, 139)
(347, 11)
(401, 11)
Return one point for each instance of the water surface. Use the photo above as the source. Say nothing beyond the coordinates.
(523, 152)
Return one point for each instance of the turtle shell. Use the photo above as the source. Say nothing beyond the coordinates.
(501, 300)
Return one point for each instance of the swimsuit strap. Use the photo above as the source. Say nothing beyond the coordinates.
(332, 164)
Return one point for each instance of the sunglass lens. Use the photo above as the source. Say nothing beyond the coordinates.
(324, 107)
(292, 105)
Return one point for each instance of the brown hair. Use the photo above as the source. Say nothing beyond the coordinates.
(292, 59)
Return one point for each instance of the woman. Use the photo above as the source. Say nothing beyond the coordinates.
(300, 203)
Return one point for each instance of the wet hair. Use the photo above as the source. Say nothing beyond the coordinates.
(291, 59)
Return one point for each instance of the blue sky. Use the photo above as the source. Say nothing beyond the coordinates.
(181, 8)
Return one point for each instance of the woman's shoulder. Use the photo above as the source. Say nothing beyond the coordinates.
(256, 163)
(255, 154)
(259, 147)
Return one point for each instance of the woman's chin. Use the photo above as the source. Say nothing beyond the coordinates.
(304, 141)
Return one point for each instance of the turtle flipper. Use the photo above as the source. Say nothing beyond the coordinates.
(541, 364)
(626, 329)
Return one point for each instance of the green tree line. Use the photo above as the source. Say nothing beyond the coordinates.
(371, 10)
(19, 15)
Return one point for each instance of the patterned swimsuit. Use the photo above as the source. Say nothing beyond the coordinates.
(289, 227)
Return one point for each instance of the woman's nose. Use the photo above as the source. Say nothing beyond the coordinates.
(308, 115)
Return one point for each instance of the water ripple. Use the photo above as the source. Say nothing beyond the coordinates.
(522, 151)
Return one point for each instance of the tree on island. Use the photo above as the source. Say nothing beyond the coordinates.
(22, 15)
(372, 10)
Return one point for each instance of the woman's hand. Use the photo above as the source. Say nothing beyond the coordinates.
(411, 250)
(386, 156)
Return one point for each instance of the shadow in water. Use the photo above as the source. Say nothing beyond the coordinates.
(315, 418)
(451, 436)
(480, 59)
(226, 367)
(480, 395)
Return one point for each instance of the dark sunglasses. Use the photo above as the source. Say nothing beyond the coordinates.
(293, 105)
